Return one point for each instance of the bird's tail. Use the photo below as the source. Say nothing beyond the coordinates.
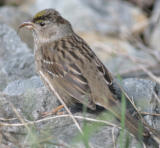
(133, 125)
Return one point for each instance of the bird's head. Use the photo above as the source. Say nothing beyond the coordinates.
(48, 25)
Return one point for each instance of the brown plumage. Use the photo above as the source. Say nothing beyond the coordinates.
(72, 68)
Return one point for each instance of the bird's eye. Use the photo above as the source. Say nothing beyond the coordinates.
(42, 24)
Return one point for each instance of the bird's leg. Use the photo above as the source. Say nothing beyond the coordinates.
(54, 111)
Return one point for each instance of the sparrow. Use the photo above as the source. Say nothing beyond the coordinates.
(66, 63)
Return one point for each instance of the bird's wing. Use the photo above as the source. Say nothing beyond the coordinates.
(91, 56)
(106, 75)
(103, 70)
(70, 78)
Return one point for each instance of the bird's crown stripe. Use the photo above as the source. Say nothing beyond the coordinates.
(40, 14)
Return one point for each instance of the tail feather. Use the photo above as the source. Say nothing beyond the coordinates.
(133, 125)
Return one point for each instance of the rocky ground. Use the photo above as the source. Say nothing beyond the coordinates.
(124, 35)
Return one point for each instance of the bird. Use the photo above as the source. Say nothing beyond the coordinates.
(67, 64)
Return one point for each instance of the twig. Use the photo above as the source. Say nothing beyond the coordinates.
(156, 97)
(139, 27)
(113, 138)
(11, 119)
(19, 117)
(152, 76)
(151, 114)
(59, 116)
(144, 146)
(136, 69)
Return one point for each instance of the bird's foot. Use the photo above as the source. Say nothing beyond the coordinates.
(53, 112)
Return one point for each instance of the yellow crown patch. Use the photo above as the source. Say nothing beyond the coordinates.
(40, 14)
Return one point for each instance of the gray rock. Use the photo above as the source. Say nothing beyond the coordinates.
(141, 91)
(29, 105)
(16, 60)
(3, 79)
(119, 64)
(143, 94)
(19, 87)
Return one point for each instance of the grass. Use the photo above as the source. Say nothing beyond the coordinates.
(123, 112)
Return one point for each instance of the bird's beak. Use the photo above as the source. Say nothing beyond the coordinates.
(27, 24)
